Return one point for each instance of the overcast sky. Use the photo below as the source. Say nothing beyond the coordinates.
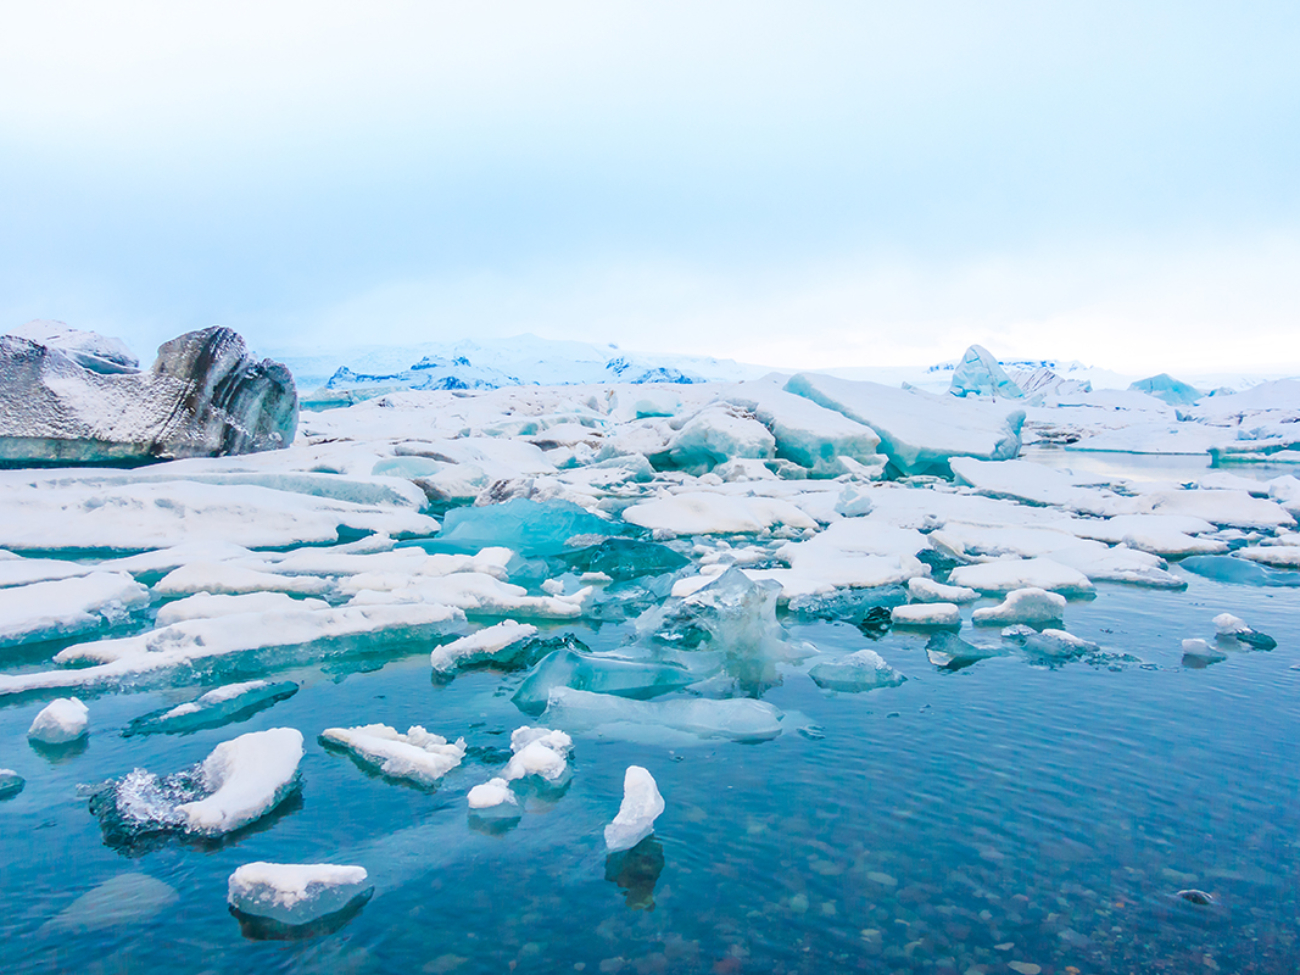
(800, 184)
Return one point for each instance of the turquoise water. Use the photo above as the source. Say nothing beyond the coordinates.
(1008, 812)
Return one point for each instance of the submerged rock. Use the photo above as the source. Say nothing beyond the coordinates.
(84, 403)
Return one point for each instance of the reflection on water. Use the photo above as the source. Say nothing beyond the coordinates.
(999, 816)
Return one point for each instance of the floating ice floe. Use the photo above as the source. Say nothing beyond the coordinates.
(192, 642)
(238, 783)
(224, 578)
(924, 590)
(704, 513)
(951, 652)
(642, 805)
(863, 670)
(67, 607)
(1276, 556)
(11, 783)
(1006, 575)
(1049, 642)
(850, 554)
(214, 708)
(204, 606)
(499, 643)
(61, 721)
(418, 755)
(1201, 652)
(295, 893)
(471, 593)
(1229, 568)
(739, 719)
(541, 752)
(1030, 605)
(926, 615)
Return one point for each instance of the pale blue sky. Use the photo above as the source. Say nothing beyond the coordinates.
(797, 184)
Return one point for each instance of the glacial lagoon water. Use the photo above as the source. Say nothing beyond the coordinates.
(1011, 816)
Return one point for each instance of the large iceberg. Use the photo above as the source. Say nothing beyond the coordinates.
(78, 402)
(919, 433)
(978, 373)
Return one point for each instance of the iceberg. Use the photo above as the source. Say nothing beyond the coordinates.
(61, 721)
(217, 707)
(979, 374)
(419, 756)
(501, 643)
(494, 800)
(90, 350)
(1057, 644)
(730, 613)
(295, 893)
(863, 670)
(1031, 605)
(604, 674)
(716, 434)
(204, 396)
(1167, 388)
(919, 433)
(739, 719)
(642, 805)
(67, 607)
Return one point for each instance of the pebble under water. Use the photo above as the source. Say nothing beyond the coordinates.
(1006, 817)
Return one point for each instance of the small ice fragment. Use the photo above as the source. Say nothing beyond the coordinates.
(636, 817)
(418, 755)
(295, 893)
(553, 587)
(63, 720)
(493, 798)
(926, 614)
(864, 670)
(951, 652)
(738, 719)
(11, 783)
(499, 643)
(923, 590)
(1235, 628)
(1031, 605)
(538, 751)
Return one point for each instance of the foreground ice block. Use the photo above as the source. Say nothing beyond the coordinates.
(66, 607)
(1024, 606)
(494, 799)
(918, 432)
(295, 893)
(1049, 642)
(864, 670)
(418, 755)
(642, 804)
(740, 719)
(927, 615)
(1231, 627)
(60, 722)
(246, 778)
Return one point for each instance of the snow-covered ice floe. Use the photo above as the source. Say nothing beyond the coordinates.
(213, 708)
(238, 783)
(642, 804)
(493, 643)
(418, 756)
(67, 607)
(295, 893)
(61, 721)
(1029, 605)
(540, 752)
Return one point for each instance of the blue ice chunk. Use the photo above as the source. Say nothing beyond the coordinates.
(979, 373)
(531, 528)
(1226, 568)
(637, 679)
(1166, 387)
